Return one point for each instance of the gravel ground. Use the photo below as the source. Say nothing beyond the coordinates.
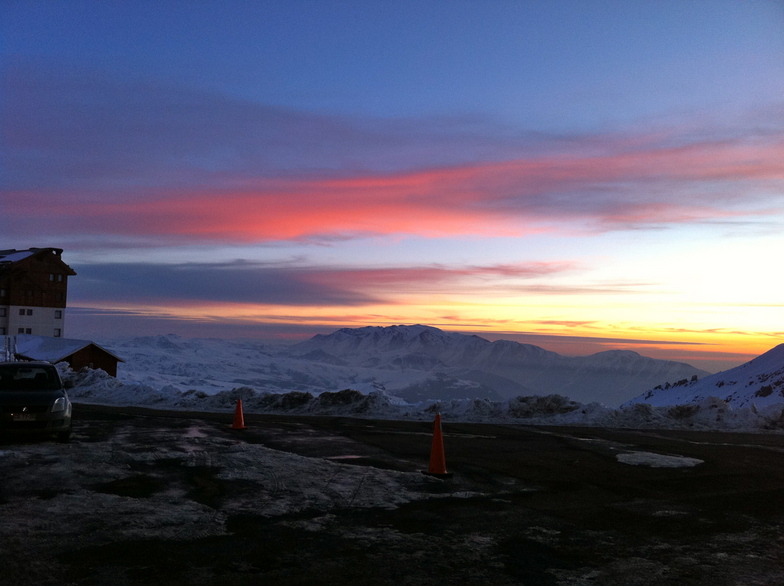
(140, 497)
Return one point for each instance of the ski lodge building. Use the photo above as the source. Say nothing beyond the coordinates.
(33, 292)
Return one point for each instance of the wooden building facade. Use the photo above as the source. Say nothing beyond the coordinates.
(33, 291)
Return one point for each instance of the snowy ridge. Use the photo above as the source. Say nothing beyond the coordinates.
(96, 387)
(364, 372)
(758, 383)
(463, 366)
(415, 363)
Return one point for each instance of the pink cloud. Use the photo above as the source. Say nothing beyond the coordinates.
(699, 182)
(434, 277)
(250, 284)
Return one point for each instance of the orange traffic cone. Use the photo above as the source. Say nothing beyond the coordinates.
(437, 457)
(239, 420)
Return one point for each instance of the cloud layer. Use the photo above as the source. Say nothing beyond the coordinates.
(270, 284)
(140, 160)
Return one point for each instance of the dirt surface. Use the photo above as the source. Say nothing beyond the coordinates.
(139, 497)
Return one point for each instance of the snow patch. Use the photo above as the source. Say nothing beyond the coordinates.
(657, 460)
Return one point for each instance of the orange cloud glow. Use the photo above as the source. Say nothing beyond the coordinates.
(510, 198)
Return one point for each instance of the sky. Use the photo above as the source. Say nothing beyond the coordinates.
(582, 176)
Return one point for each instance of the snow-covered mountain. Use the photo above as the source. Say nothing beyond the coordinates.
(759, 382)
(459, 365)
(414, 363)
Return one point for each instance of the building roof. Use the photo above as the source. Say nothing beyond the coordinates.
(9, 256)
(52, 349)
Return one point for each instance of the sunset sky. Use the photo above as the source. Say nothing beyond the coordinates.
(578, 175)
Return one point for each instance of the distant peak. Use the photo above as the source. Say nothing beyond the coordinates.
(618, 353)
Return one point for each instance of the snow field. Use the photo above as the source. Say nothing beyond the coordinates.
(96, 387)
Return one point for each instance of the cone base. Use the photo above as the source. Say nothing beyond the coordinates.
(438, 474)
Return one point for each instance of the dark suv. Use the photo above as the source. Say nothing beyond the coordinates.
(32, 399)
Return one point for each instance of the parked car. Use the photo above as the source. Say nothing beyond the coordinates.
(33, 400)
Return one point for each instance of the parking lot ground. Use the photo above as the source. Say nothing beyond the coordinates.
(140, 497)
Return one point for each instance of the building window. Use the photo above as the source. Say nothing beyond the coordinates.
(21, 312)
(2, 331)
(58, 332)
(3, 312)
(21, 331)
(58, 314)
(2, 292)
(59, 278)
(51, 276)
(29, 312)
(28, 330)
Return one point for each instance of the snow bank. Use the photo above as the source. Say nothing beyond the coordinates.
(657, 460)
(97, 387)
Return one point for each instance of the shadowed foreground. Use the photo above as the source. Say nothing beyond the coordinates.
(180, 498)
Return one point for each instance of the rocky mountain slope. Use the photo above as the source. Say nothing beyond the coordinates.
(759, 382)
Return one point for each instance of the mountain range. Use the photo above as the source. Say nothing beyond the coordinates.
(417, 363)
(454, 365)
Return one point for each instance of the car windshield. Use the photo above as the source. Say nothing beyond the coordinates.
(23, 377)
